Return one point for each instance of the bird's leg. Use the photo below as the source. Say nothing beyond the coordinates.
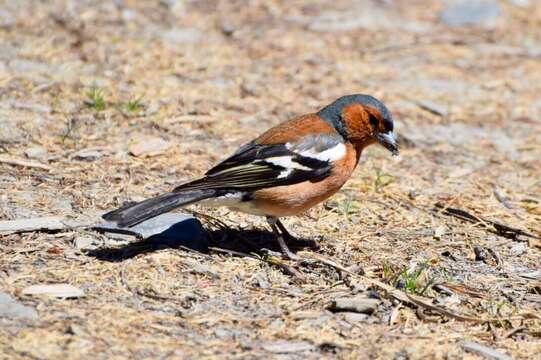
(283, 246)
(283, 230)
(292, 239)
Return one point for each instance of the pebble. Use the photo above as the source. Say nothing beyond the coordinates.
(84, 242)
(286, 347)
(87, 155)
(357, 304)
(36, 153)
(471, 12)
(32, 224)
(439, 232)
(54, 290)
(353, 317)
(149, 147)
(11, 308)
(518, 249)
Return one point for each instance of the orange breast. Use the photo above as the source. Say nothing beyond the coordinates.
(294, 199)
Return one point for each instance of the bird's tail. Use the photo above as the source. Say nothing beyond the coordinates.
(134, 213)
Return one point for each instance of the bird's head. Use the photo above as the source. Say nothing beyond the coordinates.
(363, 120)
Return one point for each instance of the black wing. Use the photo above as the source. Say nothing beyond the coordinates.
(255, 166)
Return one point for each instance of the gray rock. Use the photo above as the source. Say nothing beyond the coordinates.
(533, 275)
(84, 242)
(356, 304)
(33, 224)
(11, 308)
(170, 229)
(87, 155)
(471, 12)
(518, 249)
(182, 36)
(64, 291)
(352, 317)
(36, 153)
(286, 347)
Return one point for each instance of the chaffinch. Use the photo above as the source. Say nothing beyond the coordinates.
(286, 170)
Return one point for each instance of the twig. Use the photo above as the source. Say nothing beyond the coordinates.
(514, 332)
(492, 226)
(483, 350)
(23, 163)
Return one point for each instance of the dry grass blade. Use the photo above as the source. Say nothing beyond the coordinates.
(496, 227)
(23, 163)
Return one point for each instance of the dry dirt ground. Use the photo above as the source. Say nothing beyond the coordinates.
(83, 82)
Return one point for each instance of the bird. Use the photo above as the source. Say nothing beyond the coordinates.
(288, 169)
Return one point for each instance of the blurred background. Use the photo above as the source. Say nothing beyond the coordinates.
(107, 101)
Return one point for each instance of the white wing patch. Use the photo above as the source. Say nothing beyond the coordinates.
(287, 163)
(337, 152)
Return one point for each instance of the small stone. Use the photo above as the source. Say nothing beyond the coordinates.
(84, 242)
(353, 317)
(54, 290)
(357, 304)
(36, 153)
(149, 147)
(518, 249)
(471, 12)
(534, 275)
(152, 108)
(439, 232)
(87, 155)
(32, 224)
(286, 347)
(11, 308)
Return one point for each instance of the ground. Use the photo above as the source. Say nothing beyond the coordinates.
(84, 82)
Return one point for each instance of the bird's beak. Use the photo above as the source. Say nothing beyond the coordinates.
(388, 141)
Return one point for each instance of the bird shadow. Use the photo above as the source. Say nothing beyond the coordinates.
(182, 236)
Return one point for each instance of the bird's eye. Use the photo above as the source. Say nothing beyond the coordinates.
(373, 120)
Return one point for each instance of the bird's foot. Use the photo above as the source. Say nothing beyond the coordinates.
(301, 242)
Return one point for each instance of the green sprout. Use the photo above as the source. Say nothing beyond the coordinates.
(415, 282)
(382, 179)
(95, 98)
(134, 104)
